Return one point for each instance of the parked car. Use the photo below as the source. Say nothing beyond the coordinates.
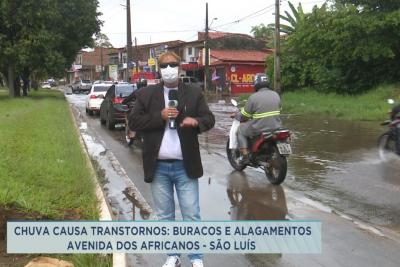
(52, 82)
(46, 85)
(191, 80)
(110, 111)
(96, 97)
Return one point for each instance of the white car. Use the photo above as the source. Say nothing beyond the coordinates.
(46, 85)
(96, 97)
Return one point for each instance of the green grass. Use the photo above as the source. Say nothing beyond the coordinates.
(42, 166)
(371, 106)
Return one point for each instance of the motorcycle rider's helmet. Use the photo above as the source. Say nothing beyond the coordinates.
(260, 81)
(395, 113)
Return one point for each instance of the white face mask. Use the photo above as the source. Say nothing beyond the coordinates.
(170, 75)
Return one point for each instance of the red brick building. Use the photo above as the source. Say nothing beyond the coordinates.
(87, 65)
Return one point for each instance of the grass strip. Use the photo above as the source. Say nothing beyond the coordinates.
(370, 106)
(42, 166)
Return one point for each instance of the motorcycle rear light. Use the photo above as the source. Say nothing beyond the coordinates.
(117, 100)
(281, 135)
(93, 97)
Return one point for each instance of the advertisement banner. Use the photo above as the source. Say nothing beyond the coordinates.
(113, 72)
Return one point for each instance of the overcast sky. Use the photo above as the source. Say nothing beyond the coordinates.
(164, 20)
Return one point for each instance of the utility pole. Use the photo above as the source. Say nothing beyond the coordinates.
(207, 77)
(128, 38)
(136, 57)
(101, 60)
(277, 52)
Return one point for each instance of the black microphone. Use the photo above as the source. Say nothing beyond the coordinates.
(172, 103)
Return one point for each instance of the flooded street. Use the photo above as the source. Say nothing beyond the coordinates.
(335, 176)
(335, 162)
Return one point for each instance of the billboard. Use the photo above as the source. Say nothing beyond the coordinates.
(113, 72)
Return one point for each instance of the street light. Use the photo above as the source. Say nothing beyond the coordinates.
(211, 23)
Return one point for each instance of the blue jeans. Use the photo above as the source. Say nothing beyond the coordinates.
(168, 175)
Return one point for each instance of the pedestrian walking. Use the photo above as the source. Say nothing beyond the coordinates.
(170, 115)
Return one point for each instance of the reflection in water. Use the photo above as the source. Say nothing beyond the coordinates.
(256, 202)
(261, 202)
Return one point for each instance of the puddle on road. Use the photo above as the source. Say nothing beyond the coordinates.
(334, 161)
(252, 201)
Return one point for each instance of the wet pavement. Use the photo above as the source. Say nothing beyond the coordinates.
(335, 172)
(335, 162)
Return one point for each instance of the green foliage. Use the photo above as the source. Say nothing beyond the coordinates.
(265, 33)
(295, 19)
(101, 40)
(43, 37)
(92, 260)
(236, 42)
(374, 5)
(342, 49)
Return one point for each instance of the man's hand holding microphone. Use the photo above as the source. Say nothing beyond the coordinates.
(171, 112)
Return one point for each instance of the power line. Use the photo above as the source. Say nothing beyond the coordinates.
(251, 15)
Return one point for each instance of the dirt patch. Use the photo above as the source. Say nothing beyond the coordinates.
(13, 213)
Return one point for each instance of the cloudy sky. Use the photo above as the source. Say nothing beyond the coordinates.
(163, 20)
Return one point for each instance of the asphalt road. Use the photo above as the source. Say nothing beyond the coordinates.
(226, 195)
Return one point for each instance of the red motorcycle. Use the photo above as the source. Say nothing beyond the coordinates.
(269, 151)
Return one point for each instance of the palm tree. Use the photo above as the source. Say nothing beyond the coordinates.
(295, 19)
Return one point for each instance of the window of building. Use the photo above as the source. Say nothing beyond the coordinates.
(190, 51)
(79, 59)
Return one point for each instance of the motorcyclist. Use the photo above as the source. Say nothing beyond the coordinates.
(261, 112)
(395, 114)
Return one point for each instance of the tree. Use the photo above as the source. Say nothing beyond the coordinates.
(265, 33)
(101, 40)
(343, 48)
(373, 5)
(295, 19)
(43, 37)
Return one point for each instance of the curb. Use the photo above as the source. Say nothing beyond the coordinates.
(119, 259)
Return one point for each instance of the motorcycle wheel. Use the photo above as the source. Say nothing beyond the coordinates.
(277, 167)
(386, 145)
(234, 158)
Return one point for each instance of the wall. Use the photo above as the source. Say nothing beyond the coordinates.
(241, 77)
